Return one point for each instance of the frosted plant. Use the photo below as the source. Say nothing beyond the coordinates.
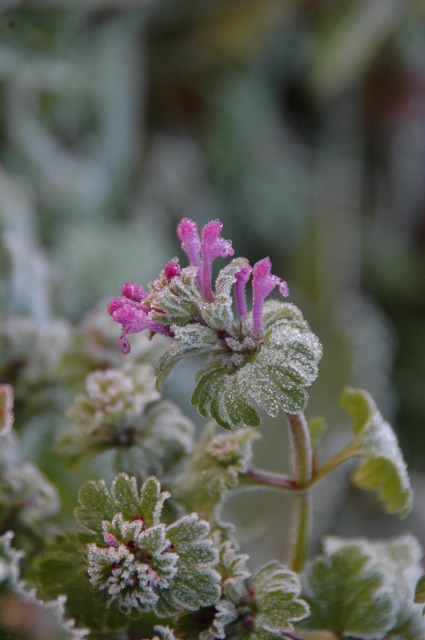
(120, 411)
(139, 561)
(144, 556)
(268, 355)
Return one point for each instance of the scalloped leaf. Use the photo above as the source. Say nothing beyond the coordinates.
(61, 569)
(349, 594)
(400, 560)
(275, 377)
(277, 591)
(383, 469)
(190, 340)
(97, 503)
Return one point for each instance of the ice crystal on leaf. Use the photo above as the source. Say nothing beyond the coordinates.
(24, 606)
(383, 468)
(139, 562)
(268, 356)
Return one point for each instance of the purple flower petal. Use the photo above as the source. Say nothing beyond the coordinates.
(134, 292)
(242, 278)
(172, 269)
(187, 232)
(263, 283)
(212, 246)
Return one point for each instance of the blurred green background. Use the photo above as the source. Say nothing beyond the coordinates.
(299, 123)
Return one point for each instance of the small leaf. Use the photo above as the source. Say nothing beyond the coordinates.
(190, 340)
(383, 469)
(316, 428)
(348, 594)
(97, 504)
(277, 591)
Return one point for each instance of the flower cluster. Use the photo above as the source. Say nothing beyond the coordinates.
(137, 309)
(121, 410)
(268, 355)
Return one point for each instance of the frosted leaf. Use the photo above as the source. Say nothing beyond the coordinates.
(275, 375)
(398, 561)
(25, 604)
(218, 459)
(383, 469)
(349, 594)
(190, 340)
(177, 300)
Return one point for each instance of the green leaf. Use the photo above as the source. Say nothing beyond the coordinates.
(61, 569)
(97, 503)
(399, 559)
(277, 591)
(275, 376)
(383, 469)
(348, 594)
(190, 340)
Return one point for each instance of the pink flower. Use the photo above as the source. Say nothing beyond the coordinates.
(242, 278)
(263, 283)
(212, 246)
(187, 232)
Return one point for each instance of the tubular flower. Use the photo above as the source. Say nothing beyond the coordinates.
(250, 352)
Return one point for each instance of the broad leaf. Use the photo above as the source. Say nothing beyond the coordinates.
(348, 594)
(383, 469)
(275, 375)
(277, 592)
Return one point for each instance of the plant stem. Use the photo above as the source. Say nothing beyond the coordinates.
(334, 462)
(268, 479)
(302, 472)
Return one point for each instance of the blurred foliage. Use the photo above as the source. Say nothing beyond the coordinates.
(299, 123)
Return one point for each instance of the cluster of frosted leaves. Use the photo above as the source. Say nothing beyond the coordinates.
(275, 375)
(27, 499)
(210, 623)
(120, 410)
(214, 469)
(273, 605)
(19, 606)
(383, 469)
(136, 560)
(365, 589)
